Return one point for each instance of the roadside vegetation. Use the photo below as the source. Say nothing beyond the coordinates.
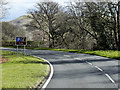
(105, 53)
(22, 71)
(115, 54)
(78, 25)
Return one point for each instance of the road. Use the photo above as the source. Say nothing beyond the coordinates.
(72, 70)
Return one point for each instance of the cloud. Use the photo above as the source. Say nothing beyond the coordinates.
(22, 1)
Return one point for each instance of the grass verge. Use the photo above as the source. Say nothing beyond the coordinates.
(105, 53)
(22, 71)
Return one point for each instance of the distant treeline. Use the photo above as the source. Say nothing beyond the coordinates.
(10, 31)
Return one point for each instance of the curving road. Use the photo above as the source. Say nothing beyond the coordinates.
(72, 70)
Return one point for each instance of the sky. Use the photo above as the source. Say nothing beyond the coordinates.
(19, 8)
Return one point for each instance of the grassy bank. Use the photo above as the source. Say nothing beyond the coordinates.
(22, 71)
(105, 53)
(108, 53)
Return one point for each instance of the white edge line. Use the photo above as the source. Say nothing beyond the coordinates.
(51, 73)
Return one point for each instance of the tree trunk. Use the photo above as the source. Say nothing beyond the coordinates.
(115, 34)
(118, 24)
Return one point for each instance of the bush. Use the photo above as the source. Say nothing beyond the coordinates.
(7, 43)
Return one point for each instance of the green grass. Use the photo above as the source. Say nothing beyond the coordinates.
(22, 71)
(105, 53)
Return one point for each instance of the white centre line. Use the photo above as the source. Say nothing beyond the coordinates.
(66, 55)
(110, 78)
(90, 63)
(102, 71)
(98, 68)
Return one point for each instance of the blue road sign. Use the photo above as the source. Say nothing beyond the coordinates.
(21, 41)
(18, 39)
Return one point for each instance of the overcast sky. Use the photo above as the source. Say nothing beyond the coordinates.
(20, 7)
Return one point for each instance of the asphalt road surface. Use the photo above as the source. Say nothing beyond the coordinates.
(72, 70)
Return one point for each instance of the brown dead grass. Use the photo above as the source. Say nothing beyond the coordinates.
(3, 60)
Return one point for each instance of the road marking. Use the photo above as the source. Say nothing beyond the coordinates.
(98, 68)
(110, 78)
(51, 73)
(50, 77)
(66, 55)
(77, 58)
(89, 63)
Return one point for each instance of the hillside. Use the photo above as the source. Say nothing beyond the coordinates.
(20, 23)
(31, 34)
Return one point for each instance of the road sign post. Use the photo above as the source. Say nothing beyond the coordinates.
(17, 50)
(24, 49)
(21, 41)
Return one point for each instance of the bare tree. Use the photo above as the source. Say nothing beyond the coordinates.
(83, 24)
(81, 27)
(3, 8)
(10, 31)
(44, 18)
(99, 20)
(114, 8)
(118, 24)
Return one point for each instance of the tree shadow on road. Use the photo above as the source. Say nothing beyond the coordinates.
(66, 62)
(100, 60)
